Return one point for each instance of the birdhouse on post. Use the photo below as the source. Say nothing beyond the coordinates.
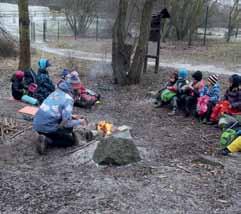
(155, 36)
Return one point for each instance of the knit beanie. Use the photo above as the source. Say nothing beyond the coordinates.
(213, 79)
(19, 75)
(72, 79)
(197, 75)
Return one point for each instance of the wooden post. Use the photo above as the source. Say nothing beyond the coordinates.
(155, 36)
(58, 30)
(205, 29)
(97, 28)
(44, 30)
(33, 37)
(158, 54)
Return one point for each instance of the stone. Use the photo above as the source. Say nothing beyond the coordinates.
(123, 134)
(118, 149)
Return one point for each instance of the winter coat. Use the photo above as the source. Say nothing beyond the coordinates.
(194, 88)
(180, 86)
(56, 111)
(30, 77)
(45, 85)
(17, 88)
(213, 92)
(234, 97)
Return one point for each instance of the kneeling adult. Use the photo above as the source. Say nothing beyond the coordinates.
(54, 122)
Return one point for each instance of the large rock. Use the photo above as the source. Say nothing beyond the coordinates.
(118, 149)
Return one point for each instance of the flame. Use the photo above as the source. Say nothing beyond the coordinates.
(105, 127)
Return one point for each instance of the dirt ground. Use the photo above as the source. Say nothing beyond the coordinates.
(173, 176)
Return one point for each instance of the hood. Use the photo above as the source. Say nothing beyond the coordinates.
(182, 73)
(235, 80)
(65, 87)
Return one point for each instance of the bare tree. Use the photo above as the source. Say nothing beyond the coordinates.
(233, 20)
(128, 69)
(25, 57)
(80, 14)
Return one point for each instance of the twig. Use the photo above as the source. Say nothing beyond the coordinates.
(20, 132)
(80, 148)
(182, 168)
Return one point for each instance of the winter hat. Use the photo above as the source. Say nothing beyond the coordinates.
(64, 73)
(213, 79)
(43, 63)
(73, 79)
(235, 79)
(183, 73)
(19, 75)
(197, 75)
(75, 73)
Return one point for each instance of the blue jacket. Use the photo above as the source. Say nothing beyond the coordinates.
(45, 85)
(213, 92)
(56, 111)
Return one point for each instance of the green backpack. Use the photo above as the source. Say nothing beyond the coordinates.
(228, 137)
(167, 95)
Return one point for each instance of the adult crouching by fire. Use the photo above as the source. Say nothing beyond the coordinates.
(54, 122)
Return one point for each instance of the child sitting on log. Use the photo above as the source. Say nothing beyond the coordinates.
(83, 98)
(231, 104)
(178, 89)
(44, 82)
(160, 97)
(18, 85)
(192, 92)
(211, 94)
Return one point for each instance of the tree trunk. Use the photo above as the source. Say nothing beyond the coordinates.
(229, 26)
(139, 57)
(24, 40)
(120, 57)
(205, 27)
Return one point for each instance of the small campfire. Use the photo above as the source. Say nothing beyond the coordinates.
(104, 128)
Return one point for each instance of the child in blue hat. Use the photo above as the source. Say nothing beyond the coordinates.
(179, 88)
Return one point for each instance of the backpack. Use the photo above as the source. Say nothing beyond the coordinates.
(85, 98)
(202, 105)
(167, 95)
(228, 137)
(227, 121)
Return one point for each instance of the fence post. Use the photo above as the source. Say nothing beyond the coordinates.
(75, 32)
(33, 31)
(206, 24)
(97, 27)
(44, 30)
(58, 30)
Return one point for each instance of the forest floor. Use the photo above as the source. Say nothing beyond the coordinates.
(180, 171)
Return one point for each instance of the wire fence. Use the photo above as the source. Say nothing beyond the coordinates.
(52, 30)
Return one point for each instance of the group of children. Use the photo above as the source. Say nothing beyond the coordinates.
(35, 88)
(201, 99)
(28, 83)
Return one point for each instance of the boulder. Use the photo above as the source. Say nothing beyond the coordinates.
(118, 149)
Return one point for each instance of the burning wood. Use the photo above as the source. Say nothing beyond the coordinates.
(105, 128)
